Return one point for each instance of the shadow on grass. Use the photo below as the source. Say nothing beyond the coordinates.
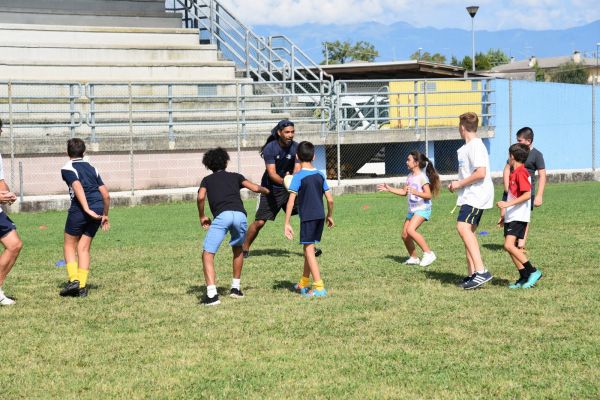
(450, 278)
(493, 246)
(284, 285)
(92, 286)
(200, 291)
(273, 253)
(397, 259)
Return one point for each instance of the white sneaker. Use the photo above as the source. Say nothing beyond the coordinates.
(5, 301)
(428, 259)
(412, 261)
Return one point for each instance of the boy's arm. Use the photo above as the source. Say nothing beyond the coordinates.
(106, 201)
(384, 187)
(539, 196)
(522, 198)
(204, 220)
(6, 196)
(80, 196)
(477, 175)
(329, 218)
(287, 230)
(254, 187)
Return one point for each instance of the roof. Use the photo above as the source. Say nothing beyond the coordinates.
(392, 70)
(544, 63)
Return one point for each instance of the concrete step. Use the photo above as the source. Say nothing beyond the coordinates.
(129, 6)
(49, 35)
(118, 54)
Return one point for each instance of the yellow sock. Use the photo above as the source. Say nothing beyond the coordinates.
(304, 282)
(318, 285)
(83, 275)
(72, 271)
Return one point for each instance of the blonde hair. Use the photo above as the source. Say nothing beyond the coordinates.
(469, 121)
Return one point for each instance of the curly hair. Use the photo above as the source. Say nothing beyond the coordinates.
(216, 159)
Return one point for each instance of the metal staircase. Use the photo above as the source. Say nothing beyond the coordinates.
(275, 60)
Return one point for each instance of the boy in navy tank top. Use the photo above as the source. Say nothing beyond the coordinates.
(90, 202)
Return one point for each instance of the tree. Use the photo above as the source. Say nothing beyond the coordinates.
(569, 72)
(483, 61)
(436, 57)
(497, 57)
(342, 52)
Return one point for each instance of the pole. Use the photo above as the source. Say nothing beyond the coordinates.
(594, 82)
(473, 41)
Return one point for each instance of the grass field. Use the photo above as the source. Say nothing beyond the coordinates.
(387, 331)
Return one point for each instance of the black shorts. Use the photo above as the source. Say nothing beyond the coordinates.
(79, 223)
(311, 231)
(6, 224)
(470, 215)
(270, 205)
(515, 228)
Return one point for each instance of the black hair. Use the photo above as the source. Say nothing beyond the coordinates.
(427, 165)
(216, 159)
(519, 151)
(75, 148)
(525, 133)
(284, 123)
(306, 151)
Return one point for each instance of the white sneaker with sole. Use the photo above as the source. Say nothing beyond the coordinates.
(5, 301)
(428, 259)
(412, 261)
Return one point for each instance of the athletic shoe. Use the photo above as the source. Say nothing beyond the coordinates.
(211, 301)
(476, 281)
(318, 252)
(518, 284)
(70, 289)
(236, 293)
(6, 301)
(316, 293)
(301, 290)
(532, 280)
(428, 259)
(412, 261)
(246, 253)
(83, 292)
(465, 280)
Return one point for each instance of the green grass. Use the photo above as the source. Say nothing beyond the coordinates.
(386, 330)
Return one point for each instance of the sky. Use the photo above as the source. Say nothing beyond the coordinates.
(492, 15)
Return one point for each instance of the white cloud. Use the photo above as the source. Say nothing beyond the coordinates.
(492, 15)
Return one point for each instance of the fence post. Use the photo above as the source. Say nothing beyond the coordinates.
(416, 106)
(131, 166)
(338, 116)
(426, 117)
(170, 103)
(21, 182)
(594, 118)
(237, 126)
(12, 136)
(72, 109)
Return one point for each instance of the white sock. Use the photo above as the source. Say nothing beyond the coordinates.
(235, 284)
(211, 291)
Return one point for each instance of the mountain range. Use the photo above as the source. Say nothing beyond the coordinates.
(399, 40)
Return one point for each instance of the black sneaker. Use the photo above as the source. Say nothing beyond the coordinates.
(83, 292)
(236, 293)
(318, 252)
(71, 289)
(211, 301)
(477, 280)
(464, 280)
(246, 253)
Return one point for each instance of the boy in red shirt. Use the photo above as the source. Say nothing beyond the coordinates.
(517, 216)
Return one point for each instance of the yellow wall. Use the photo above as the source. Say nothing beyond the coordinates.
(404, 105)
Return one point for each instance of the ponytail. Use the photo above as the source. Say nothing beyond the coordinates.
(426, 165)
(275, 133)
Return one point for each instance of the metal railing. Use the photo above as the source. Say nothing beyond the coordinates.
(273, 59)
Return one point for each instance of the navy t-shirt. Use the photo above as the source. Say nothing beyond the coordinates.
(284, 159)
(223, 192)
(309, 185)
(88, 176)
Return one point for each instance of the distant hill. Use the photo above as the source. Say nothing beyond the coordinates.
(399, 40)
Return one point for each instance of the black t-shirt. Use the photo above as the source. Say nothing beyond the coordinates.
(284, 159)
(223, 192)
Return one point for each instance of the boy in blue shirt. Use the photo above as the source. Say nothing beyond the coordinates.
(309, 185)
(222, 188)
(90, 202)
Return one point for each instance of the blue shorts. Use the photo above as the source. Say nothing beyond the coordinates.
(470, 215)
(423, 213)
(234, 222)
(79, 223)
(6, 224)
(311, 231)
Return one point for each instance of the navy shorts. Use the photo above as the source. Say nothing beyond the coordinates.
(470, 215)
(6, 224)
(79, 223)
(515, 228)
(269, 205)
(311, 231)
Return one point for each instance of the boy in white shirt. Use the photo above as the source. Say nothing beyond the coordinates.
(475, 194)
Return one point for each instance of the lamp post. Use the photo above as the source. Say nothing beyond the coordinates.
(594, 83)
(472, 10)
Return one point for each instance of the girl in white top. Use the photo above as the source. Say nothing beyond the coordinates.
(420, 188)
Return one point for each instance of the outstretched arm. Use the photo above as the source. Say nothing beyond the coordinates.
(384, 187)
(254, 187)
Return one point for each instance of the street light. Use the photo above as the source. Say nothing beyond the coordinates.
(472, 10)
